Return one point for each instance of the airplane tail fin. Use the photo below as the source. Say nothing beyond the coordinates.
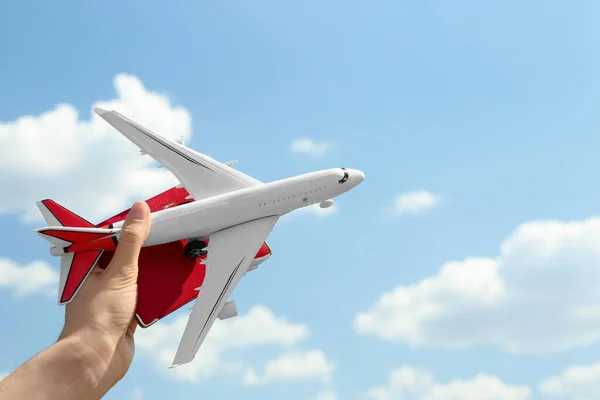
(68, 232)
(79, 243)
(57, 215)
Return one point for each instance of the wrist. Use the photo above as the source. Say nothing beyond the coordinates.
(92, 352)
(93, 337)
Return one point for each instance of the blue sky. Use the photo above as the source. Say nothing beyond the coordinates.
(488, 108)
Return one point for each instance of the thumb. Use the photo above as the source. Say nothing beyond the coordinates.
(124, 264)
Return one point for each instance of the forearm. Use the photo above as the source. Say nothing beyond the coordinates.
(69, 369)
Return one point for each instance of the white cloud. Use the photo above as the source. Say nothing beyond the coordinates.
(81, 161)
(292, 367)
(539, 295)
(577, 382)
(257, 328)
(35, 277)
(410, 383)
(309, 146)
(415, 202)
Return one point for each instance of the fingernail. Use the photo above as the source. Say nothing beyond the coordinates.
(138, 211)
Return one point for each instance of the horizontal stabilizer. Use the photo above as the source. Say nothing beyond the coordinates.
(66, 232)
(75, 235)
(74, 270)
(65, 239)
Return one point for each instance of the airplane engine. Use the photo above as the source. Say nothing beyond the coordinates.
(229, 310)
(326, 203)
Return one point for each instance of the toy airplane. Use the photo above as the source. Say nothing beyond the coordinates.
(227, 222)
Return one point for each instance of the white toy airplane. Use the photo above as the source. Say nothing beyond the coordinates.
(233, 212)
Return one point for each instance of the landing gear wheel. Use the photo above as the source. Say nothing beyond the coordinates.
(195, 249)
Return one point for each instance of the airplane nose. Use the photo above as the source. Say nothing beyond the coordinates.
(360, 175)
(354, 176)
(357, 176)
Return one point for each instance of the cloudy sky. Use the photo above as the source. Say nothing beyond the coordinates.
(466, 266)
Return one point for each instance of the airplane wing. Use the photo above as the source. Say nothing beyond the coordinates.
(201, 175)
(230, 253)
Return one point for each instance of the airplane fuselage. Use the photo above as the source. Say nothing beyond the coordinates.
(201, 218)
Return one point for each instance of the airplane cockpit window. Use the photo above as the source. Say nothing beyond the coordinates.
(345, 178)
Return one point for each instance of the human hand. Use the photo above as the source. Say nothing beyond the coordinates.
(100, 319)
